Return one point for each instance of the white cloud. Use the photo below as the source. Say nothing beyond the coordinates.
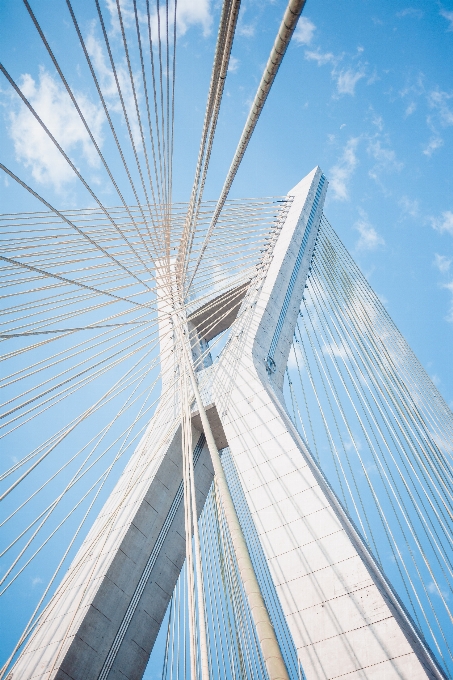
(442, 263)
(437, 99)
(189, 13)
(449, 286)
(347, 80)
(104, 72)
(433, 144)
(233, 65)
(193, 13)
(443, 223)
(444, 443)
(369, 239)
(409, 207)
(295, 359)
(304, 31)
(385, 158)
(341, 173)
(319, 57)
(246, 30)
(371, 468)
(449, 17)
(36, 581)
(33, 147)
(109, 88)
(440, 114)
(127, 14)
(410, 12)
(334, 350)
(416, 88)
(378, 121)
(374, 77)
(437, 590)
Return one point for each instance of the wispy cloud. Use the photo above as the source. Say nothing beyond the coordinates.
(433, 144)
(193, 13)
(246, 30)
(444, 223)
(190, 13)
(369, 239)
(410, 12)
(436, 589)
(347, 80)
(438, 100)
(36, 581)
(449, 287)
(384, 160)
(440, 109)
(385, 157)
(441, 115)
(442, 263)
(415, 88)
(408, 206)
(378, 121)
(105, 74)
(340, 174)
(127, 14)
(449, 17)
(33, 147)
(321, 58)
(334, 350)
(233, 65)
(304, 32)
(109, 86)
(295, 359)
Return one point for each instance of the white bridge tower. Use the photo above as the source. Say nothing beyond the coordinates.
(343, 617)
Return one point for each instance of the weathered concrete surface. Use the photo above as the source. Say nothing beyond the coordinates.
(86, 612)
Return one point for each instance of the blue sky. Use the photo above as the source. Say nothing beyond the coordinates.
(365, 91)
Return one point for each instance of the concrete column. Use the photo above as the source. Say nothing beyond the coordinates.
(345, 620)
(105, 615)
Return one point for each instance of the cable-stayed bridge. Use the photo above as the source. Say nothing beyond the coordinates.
(223, 436)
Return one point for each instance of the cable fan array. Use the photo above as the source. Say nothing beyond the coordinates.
(381, 433)
(97, 325)
(234, 650)
(89, 291)
(84, 352)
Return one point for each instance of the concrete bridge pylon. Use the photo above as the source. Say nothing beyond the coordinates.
(343, 616)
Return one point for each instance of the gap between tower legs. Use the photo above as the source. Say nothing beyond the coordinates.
(270, 648)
